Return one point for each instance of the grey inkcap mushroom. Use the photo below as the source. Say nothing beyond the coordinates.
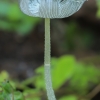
(50, 8)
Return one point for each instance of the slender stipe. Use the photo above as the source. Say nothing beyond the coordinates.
(50, 92)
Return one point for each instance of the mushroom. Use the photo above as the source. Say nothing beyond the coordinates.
(49, 9)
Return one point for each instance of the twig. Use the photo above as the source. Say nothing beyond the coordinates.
(94, 92)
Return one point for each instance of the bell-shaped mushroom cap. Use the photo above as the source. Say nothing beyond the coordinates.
(50, 8)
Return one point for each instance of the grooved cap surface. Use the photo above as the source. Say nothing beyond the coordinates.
(50, 8)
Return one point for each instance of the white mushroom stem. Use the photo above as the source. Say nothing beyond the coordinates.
(50, 92)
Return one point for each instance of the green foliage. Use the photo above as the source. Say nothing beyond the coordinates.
(12, 19)
(83, 76)
(3, 75)
(67, 67)
(31, 94)
(80, 77)
(63, 70)
(69, 98)
(7, 92)
(98, 12)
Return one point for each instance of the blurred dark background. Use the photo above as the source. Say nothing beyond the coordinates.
(22, 39)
